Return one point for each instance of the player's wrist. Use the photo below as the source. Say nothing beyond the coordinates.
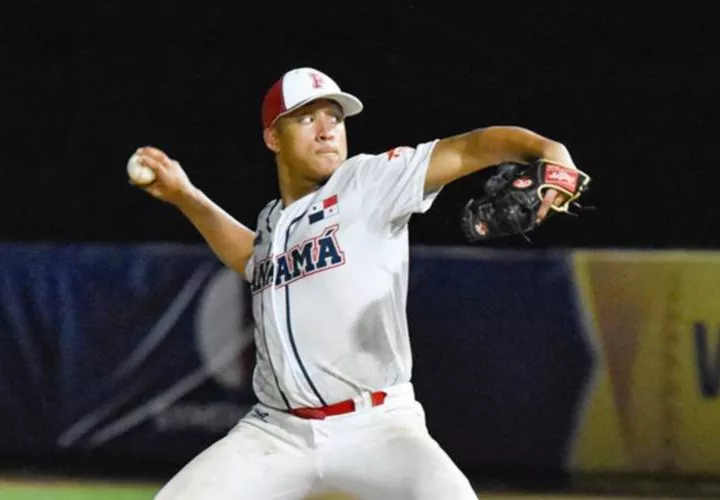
(558, 154)
(188, 198)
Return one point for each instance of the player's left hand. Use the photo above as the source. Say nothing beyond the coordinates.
(520, 197)
(552, 197)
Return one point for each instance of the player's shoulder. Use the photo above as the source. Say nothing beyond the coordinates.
(387, 154)
(395, 155)
(364, 159)
(268, 208)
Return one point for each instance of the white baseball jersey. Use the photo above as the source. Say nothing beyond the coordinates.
(329, 278)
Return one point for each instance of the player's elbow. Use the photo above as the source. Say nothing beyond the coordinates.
(448, 162)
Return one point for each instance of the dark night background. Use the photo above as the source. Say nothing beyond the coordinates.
(631, 90)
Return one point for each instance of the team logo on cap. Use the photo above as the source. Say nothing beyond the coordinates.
(317, 80)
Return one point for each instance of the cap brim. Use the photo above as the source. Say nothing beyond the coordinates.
(350, 104)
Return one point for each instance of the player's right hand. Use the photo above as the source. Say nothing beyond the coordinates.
(171, 183)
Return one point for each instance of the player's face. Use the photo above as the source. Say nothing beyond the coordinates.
(311, 139)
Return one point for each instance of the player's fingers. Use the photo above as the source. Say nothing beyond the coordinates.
(153, 188)
(548, 200)
(560, 199)
(151, 162)
(154, 153)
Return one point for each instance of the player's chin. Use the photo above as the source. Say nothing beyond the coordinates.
(325, 165)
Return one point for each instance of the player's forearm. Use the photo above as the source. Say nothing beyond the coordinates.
(231, 241)
(467, 153)
(493, 145)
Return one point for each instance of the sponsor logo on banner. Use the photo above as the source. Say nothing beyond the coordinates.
(653, 407)
(223, 332)
(224, 343)
(208, 417)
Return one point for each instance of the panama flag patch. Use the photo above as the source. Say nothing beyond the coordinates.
(323, 209)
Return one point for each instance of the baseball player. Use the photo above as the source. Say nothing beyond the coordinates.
(327, 265)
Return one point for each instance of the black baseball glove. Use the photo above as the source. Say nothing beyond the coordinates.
(513, 196)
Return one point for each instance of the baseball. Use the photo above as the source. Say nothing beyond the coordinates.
(140, 174)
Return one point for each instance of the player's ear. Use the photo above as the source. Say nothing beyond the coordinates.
(270, 135)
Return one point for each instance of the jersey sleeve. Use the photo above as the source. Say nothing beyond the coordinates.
(393, 182)
(249, 268)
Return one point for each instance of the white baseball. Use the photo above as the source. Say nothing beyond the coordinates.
(140, 174)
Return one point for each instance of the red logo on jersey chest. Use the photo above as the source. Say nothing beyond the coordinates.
(395, 152)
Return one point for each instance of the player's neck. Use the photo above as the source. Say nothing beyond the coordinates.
(293, 187)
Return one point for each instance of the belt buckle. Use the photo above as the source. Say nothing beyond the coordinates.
(370, 399)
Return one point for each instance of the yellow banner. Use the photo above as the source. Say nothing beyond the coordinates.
(653, 404)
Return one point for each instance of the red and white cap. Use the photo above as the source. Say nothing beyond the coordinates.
(300, 86)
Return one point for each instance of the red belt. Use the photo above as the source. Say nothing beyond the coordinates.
(347, 406)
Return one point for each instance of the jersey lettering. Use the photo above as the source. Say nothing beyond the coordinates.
(317, 254)
(328, 250)
(263, 275)
(283, 270)
(302, 259)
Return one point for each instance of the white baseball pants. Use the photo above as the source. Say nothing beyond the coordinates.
(374, 453)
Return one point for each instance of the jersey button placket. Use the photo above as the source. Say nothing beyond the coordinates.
(277, 249)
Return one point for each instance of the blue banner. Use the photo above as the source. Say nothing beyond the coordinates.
(147, 349)
(120, 349)
(501, 355)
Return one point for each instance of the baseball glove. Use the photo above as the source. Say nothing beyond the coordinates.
(513, 196)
